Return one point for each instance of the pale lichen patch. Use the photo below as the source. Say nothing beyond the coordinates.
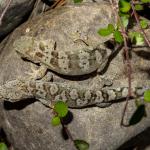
(125, 92)
(63, 96)
(99, 97)
(88, 94)
(53, 89)
(73, 94)
(40, 90)
(111, 95)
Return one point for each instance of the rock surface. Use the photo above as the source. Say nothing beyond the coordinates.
(17, 11)
(27, 123)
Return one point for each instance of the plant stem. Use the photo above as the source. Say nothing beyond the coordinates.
(128, 63)
(138, 22)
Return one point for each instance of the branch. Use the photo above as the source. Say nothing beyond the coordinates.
(67, 131)
(138, 22)
(128, 63)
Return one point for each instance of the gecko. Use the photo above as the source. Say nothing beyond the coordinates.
(75, 96)
(73, 49)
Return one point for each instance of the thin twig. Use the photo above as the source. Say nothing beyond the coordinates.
(138, 22)
(67, 131)
(128, 63)
(4, 11)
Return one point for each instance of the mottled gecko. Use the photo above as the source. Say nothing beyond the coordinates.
(66, 40)
(75, 96)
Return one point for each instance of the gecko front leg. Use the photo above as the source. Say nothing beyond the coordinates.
(36, 74)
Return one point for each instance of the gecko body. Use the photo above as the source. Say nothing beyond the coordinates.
(76, 96)
(67, 42)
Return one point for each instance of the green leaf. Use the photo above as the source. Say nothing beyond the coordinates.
(78, 1)
(125, 20)
(138, 115)
(139, 39)
(147, 96)
(106, 31)
(123, 14)
(136, 38)
(81, 144)
(124, 6)
(145, 1)
(139, 7)
(118, 36)
(103, 32)
(144, 23)
(3, 146)
(110, 28)
(61, 108)
(55, 121)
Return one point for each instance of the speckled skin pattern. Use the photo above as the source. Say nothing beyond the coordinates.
(75, 48)
(76, 96)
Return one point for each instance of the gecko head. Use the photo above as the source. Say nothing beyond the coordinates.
(13, 91)
(24, 46)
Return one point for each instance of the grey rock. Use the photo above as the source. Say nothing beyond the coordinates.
(15, 14)
(27, 124)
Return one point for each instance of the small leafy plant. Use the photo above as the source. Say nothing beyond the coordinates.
(110, 29)
(61, 110)
(127, 18)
